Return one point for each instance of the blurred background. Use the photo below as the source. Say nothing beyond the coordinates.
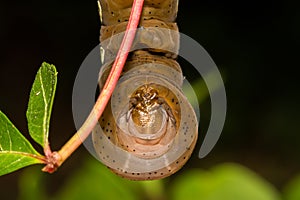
(255, 44)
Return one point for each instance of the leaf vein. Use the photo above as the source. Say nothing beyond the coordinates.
(46, 106)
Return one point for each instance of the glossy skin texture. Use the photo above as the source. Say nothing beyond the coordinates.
(149, 129)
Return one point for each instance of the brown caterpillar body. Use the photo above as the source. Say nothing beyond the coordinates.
(149, 129)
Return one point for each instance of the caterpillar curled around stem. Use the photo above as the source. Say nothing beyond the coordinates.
(149, 129)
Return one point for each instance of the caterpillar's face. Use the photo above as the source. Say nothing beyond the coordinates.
(145, 116)
(149, 125)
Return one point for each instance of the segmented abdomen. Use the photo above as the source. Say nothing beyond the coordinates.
(149, 129)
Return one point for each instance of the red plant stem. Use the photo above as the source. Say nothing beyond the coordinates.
(57, 158)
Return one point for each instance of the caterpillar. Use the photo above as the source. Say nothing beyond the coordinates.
(149, 129)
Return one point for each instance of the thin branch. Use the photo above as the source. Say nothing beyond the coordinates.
(57, 158)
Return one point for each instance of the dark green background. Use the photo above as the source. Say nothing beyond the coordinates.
(254, 43)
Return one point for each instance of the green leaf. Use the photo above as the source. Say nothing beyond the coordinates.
(226, 182)
(95, 181)
(40, 103)
(15, 151)
(292, 189)
(32, 184)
